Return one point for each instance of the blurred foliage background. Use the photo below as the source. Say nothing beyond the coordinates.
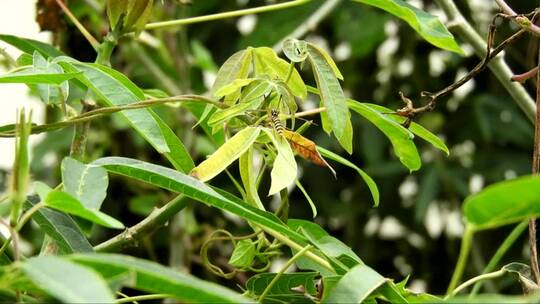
(417, 227)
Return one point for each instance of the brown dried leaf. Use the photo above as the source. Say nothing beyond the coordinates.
(306, 148)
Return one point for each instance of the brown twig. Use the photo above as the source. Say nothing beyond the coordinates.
(535, 170)
(410, 111)
(520, 19)
(525, 76)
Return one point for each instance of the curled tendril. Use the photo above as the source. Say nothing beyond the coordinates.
(226, 236)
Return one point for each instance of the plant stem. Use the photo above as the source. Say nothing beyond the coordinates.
(505, 246)
(80, 27)
(466, 242)
(237, 13)
(28, 214)
(535, 171)
(531, 27)
(155, 220)
(282, 270)
(497, 66)
(93, 114)
(476, 279)
(155, 296)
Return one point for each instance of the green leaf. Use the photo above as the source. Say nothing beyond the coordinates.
(115, 8)
(256, 89)
(29, 46)
(499, 203)
(223, 115)
(178, 156)
(415, 128)
(67, 281)
(233, 86)
(243, 254)
(59, 226)
(237, 66)
(267, 62)
(285, 290)
(86, 183)
(327, 58)
(248, 174)
(155, 278)
(400, 137)
(175, 181)
(332, 97)
(355, 286)
(138, 13)
(284, 168)
(30, 76)
(295, 50)
(116, 89)
(226, 154)
(50, 93)
(427, 25)
(64, 202)
(369, 181)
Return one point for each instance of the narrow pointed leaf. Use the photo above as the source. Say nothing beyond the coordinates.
(332, 96)
(155, 278)
(223, 115)
(401, 138)
(237, 66)
(286, 289)
(249, 174)
(67, 281)
(328, 60)
(64, 202)
(415, 128)
(29, 76)
(425, 24)
(226, 154)
(181, 183)
(29, 46)
(234, 86)
(367, 179)
(504, 203)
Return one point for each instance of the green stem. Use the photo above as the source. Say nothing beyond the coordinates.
(80, 27)
(501, 251)
(237, 13)
(155, 296)
(156, 219)
(283, 269)
(466, 243)
(292, 244)
(476, 279)
(290, 72)
(28, 214)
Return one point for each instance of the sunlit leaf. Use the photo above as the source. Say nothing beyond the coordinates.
(326, 57)
(369, 181)
(248, 174)
(284, 168)
(155, 278)
(67, 281)
(223, 115)
(30, 76)
(29, 46)
(237, 66)
(226, 154)
(233, 86)
(64, 202)
(499, 203)
(267, 62)
(425, 24)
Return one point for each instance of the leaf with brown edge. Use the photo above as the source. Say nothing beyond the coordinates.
(307, 149)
